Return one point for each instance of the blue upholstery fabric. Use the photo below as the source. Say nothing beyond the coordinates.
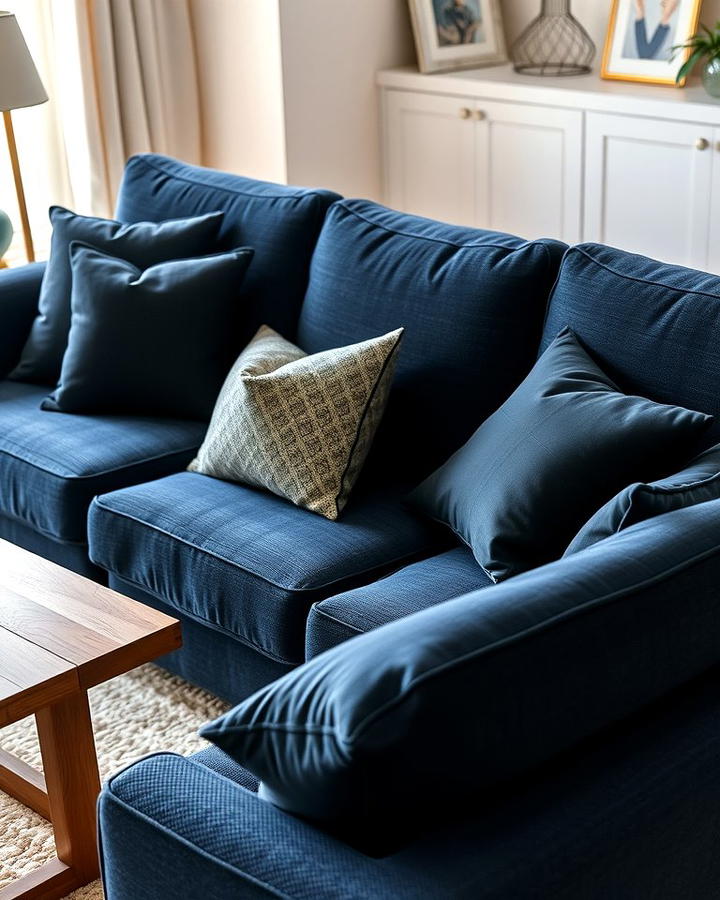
(210, 657)
(471, 302)
(698, 482)
(654, 328)
(246, 561)
(637, 815)
(142, 245)
(19, 292)
(220, 762)
(560, 446)
(52, 465)
(479, 689)
(412, 588)
(157, 342)
(280, 223)
(71, 554)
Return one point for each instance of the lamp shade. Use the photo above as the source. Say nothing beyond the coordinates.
(20, 83)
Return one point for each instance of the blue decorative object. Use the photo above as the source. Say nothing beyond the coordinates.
(6, 232)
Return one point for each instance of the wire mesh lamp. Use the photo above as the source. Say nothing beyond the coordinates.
(554, 43)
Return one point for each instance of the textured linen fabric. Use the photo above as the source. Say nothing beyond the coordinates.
(412, 588)
(211, 657)
(469, 694)
(19, 292)
(143, 244)
(279, 222)
(157, 342)
(633, 815)
(471, 303)
(245, 561)
(698, 482)
(71, 554)
(300, 426)
(51, 466)
(561, 445)
(654, 328)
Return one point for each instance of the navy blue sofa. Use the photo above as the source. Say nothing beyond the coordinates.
(600, 666)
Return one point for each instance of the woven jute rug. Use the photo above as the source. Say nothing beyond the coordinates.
(135, 714)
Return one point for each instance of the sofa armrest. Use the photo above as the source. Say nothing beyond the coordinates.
(171, 827)
(479, 689)
(19, 292)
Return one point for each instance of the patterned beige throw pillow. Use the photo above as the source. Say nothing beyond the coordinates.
(300, 426)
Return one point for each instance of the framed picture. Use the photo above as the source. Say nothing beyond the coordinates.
(457, 34)
(641, 35)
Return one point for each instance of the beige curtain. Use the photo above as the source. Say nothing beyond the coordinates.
(139, 83)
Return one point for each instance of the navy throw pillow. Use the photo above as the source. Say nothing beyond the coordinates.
(697, 483)
(143, 244)
(561, 445)
(158, 342)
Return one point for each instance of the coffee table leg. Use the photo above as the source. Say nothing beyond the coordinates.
(73, 784)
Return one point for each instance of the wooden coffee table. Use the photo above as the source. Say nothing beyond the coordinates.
(60, 634)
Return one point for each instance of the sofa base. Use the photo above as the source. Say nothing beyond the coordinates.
(70, 555)
(209, 658)
(634, 814)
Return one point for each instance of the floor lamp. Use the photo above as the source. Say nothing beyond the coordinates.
(20, 86)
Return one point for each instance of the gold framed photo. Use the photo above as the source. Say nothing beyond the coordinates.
(457, 34)
(640, 38)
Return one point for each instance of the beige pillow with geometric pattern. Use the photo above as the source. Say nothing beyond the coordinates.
(300, 426)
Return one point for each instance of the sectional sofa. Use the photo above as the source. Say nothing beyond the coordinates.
(598, 693)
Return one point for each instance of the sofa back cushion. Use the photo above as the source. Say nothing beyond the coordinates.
(471, 302)
(653, 327)
(280, 223)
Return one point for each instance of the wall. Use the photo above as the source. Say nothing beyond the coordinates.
(237, 43)
(331, 50)
(288, 86)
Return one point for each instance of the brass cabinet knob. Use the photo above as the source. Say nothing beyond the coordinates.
(702, 144)
(465, 113)
(478, 115)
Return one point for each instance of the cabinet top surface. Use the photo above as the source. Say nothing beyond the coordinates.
(588, 92)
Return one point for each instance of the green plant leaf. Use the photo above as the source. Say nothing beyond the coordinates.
(689, 64)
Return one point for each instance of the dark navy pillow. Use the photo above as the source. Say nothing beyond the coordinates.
(142, 244)
(158, 342)
(563, 443)
(697, 483)
(653, 327)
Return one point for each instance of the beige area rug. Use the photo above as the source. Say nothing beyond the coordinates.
(138, 713)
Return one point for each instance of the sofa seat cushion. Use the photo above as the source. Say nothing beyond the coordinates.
(654, 328)
(53, 464)
(245, 561)
(412, 588)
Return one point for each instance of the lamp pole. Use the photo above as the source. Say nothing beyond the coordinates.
(19, 189)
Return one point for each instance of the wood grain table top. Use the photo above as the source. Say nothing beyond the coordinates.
(61, 632)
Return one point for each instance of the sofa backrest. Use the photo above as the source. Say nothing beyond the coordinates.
(281, 223)
(653, 327)
(471, 302)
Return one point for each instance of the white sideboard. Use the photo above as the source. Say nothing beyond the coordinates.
(580, 159)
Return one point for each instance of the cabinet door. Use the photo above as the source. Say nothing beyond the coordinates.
(713, 260)
(647, 186)
(430, 155)
(529, 165)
